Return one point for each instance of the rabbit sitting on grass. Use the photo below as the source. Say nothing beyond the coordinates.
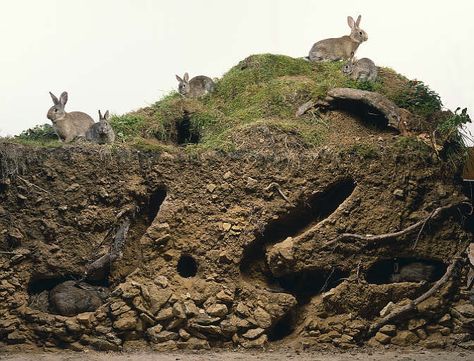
(101, 132)
(67, 126)
(362, 70)
(196, 87)
(339, 48)
(71, 298)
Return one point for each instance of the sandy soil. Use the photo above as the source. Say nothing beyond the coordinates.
(247, 356)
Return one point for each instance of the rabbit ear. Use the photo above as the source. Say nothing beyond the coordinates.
(358, 20)
(63, 98)
(100, 115)
(350, 22)
(179, 79)
(186, 77)
(106, 115)
(55, 99)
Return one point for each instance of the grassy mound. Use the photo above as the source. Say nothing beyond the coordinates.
(261, 90)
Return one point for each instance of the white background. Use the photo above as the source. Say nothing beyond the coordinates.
(122, 54)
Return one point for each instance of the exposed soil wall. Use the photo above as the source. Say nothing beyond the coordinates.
(231, 249)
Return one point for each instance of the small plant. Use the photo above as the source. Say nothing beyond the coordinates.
(127, 126)
(449, 130)
(419, 99)
(43, 132)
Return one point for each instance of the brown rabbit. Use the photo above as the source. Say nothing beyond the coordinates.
(71, 298)
(414, 272)
(196, 87)
(67, 126)
(339, 48)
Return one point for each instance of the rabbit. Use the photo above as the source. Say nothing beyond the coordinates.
(413, 272)
(67, 126)
(71, 298)
(101, 132)
(362, 70)
(196, 87)
(339, 48)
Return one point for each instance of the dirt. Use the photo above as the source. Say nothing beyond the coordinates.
(249, 356)
(233, 249)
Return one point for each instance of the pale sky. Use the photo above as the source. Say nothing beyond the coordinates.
(122, 55)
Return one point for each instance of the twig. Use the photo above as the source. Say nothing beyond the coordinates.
(402, 311)
(384, 236)
(277, 187)
(4, 252)
(327, 280)
(421, 230)
(32, 185)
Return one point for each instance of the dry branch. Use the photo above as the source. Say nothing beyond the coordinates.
(100, 267)
(276, 186)
(404, 310)
(375, 238)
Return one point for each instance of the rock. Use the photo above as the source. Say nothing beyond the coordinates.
(434, 341)
(387, 309)
(382, 338)
(166, 346)
(205, 320)
(16, 337)
(445, 320)
(242, 309)
(262, 318)
(466, 310)
(100, 343)
(190, 308)
(126, 321)
(253, 333)
(228, 328)
(185, 335)
(227, 175)
(85, 319)
(421, 334)
(161, 281)
(226, 226)
(194, 344)
(259, 342)
(153, 331)
(414, 324)
(225, 296)
(390, 330)
(179, 311)
(165, 336)
(211, 330)
(445, 331)
(468, 345)
(211, 187)
(217, 310)
(164, 314)
(158, 299)
(399, 193)
(405, 338)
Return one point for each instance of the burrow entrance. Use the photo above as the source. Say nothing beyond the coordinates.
(369, 115)
(405, 270)
(305, 285)
(39, 290)
(185, 131)
(187, 266)
(305, 215)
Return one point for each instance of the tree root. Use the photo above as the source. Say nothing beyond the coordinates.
(376, 238)
(101, 266)
(406, 309)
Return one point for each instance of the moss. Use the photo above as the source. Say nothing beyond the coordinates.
(365, 150)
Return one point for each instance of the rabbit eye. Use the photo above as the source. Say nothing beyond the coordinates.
(55, 110)
(360, 32)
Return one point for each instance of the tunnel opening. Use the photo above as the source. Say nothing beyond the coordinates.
(397, 270)
(283, 327)
(186, 133)
(39, 289)
(154, 203)
(305, 285)
(369, 115)
(187, 266)
(305, 215)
